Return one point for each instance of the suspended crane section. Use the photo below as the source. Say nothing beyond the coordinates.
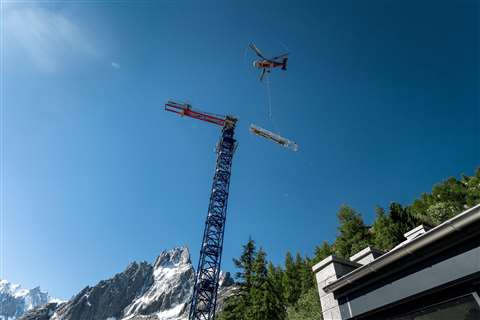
(289, 144)
(204, 298)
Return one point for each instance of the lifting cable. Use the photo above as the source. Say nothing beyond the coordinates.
(269, 100)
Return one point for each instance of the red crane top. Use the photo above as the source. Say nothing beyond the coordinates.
(184, 109)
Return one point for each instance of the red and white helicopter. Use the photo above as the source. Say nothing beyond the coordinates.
(268, 64)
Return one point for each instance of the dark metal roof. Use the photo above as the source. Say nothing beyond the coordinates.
(462, 227)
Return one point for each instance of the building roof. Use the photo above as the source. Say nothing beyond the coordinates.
(460, 228)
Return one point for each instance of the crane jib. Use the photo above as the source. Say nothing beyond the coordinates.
(184, 109)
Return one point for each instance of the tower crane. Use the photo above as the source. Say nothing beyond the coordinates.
(206, 280)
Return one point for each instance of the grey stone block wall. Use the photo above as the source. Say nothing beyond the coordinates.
(327, 271)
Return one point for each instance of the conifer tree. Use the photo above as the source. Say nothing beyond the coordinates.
(237, 305)
(353, 235)
(299, 266)
(308, 278)
(305, 273)
(234, 308)
(267, 303)
(322, 251)
(257, 297)
(403, 219)
(275, 276)
(245, 264)
(291, 280)
(384, 233)
(307, 307)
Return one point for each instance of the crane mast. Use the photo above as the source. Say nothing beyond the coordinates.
(204, 297)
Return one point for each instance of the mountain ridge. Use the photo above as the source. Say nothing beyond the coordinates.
(15, 300)
(142, 291)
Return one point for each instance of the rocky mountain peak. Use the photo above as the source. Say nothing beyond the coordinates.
(173, 258)
(143, 291)
(172, 286)
(225, 280)
(15, 300)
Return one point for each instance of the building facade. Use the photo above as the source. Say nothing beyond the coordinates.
(432, 275)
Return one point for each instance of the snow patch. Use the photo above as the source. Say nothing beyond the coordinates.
(173, 278)
(171, 314)
(15, 300)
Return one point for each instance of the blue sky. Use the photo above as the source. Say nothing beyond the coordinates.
(381, 97)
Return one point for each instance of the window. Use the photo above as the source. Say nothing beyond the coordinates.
(462, 308)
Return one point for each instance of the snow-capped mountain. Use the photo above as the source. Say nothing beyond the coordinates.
(143, 291)
(15, 301)
(173, 276)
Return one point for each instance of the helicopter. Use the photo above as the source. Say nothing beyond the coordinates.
(268, 64)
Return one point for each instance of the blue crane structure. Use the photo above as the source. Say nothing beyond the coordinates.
(204, 297)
